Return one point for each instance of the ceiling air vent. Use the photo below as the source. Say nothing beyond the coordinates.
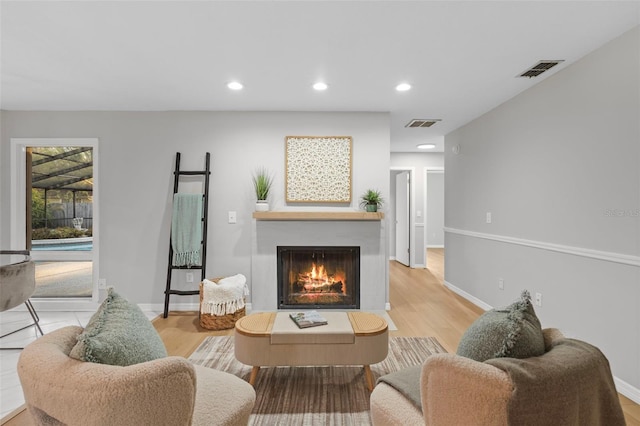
(539, 68)
(422, 123)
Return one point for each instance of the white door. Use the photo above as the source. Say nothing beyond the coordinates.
(402, 218)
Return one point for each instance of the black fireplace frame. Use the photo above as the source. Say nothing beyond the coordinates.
(355, 250)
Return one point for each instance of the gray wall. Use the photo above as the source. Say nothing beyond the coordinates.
(558, 168)
(137, 154)
(434, 219)
(418, 161)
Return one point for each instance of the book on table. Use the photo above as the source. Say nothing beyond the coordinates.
(308, 319)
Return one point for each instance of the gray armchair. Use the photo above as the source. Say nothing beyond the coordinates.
(17, 284)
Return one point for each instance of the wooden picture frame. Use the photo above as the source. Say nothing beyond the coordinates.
(318, 169)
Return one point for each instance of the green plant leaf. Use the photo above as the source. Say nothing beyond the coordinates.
(262, 182)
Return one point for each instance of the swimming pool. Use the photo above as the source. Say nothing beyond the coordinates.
(63, 244)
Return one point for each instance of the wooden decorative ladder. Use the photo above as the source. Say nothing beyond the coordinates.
(203, 259)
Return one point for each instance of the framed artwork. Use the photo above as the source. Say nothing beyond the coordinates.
(318, 169)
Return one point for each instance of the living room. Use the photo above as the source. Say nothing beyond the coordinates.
(542, 189)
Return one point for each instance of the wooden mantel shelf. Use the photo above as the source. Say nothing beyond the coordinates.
(333, 215)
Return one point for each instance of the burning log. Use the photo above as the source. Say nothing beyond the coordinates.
(313, 287)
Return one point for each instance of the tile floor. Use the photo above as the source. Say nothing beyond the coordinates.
(10, 391)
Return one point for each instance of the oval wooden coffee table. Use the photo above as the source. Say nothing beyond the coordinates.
(273, 339)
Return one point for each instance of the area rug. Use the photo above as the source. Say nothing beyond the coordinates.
(313, 395)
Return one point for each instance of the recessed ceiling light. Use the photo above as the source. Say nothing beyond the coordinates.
(320, 86)
(234, 85)
(403, 87)
(426, 146)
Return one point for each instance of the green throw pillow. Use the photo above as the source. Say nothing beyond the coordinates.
(119, 333)
(513, 332)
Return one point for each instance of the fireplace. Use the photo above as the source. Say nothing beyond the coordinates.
(318, 277)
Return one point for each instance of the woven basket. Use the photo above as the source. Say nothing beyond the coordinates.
(218, 322)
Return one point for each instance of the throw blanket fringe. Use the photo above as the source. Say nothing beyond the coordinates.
(225, 297)
(186, 229)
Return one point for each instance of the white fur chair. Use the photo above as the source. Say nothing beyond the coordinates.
(60, 390)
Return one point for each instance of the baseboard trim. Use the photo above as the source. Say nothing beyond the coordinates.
(607, 256)
(435, 246)
(467, 296)
(627, 390)
(159, 307)
(387, 306)
(12, 414)
(61, 305)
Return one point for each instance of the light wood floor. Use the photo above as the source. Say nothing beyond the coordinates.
(420, 306)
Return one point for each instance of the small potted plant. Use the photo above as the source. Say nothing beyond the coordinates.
(262, 181)
(371, 200)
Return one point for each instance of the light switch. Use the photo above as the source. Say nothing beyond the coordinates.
(232, 217)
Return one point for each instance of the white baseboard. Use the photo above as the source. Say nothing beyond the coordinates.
(159, 307)
(387, 306)
(419, 266)
(435, 246)
(62, 305)
(467, 296)
(392, 258)
(627, 390)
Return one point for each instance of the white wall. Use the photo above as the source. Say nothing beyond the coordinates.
(559, 169)
(417, 161)
(137, 154)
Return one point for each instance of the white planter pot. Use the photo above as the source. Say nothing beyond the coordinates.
(262, 206)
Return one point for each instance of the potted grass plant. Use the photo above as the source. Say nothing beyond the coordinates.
(262, 181)
(371, 200)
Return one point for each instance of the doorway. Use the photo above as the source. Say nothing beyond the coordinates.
(54, 215)
(402, 238)
(434, 212)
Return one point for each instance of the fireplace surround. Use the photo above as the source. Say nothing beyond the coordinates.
(318, 277)
(319, 230)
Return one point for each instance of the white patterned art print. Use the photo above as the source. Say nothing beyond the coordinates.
(318, 169)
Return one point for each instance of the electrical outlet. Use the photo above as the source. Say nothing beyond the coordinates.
(232, 217)
(500, 283)
(488, 217)
(189, 277)
(102, 284)
(538, 299)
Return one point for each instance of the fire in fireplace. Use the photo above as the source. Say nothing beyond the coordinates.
(318, 277)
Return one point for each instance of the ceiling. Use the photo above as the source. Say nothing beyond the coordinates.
(461, 58)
